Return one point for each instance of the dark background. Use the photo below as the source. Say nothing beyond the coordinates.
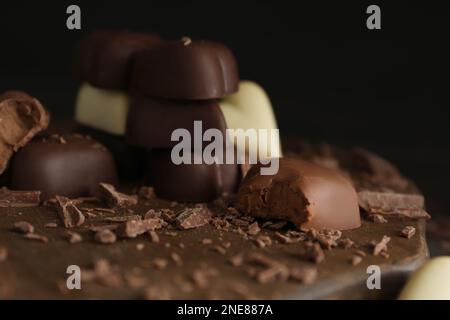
(329, 77)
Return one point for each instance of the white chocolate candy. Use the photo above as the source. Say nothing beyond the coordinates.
(106, 110)
(430, 282)
(250, 108)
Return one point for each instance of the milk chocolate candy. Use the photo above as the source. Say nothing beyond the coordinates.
(306, 194)
(70, 165)
(22, 117)
(104, 57)
(250, 108)
(430, 282)
(151, 121)
(186, 69)
(189, 182)
(102, 109)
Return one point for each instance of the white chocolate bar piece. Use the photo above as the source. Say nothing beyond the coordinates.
(430, 282)
(106, 110)
(250, 108)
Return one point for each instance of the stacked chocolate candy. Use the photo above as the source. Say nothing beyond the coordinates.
(159, 87)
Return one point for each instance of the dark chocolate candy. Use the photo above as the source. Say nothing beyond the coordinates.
(309, 195)
(22, 117)
(104, 57)
(151, 121)
(189, 182)
(129, 159)
(70, 165)
(185, 69)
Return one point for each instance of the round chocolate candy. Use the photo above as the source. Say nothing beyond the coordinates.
(186, 69)
(69, 165)
(189, 182)
(104, 57)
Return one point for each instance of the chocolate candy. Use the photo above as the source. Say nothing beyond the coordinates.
(186, 69)
(151, 121)
(250, 108)
(104, 57)
(189, 182)
(102, 109)
(306, 194)
(22, 117)
(70, 165)
(129, 160)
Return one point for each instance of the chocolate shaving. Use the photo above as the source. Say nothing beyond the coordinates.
(263, 241)
(23, 227)
(105, 236)
(220, 249)
(388, 203)
(408, 232)
(193, 218)
(70, 215)
(306, 275)
(133, 228)
(122, 218)
(326, 238)
(51, 225)
(253, 229)
(116, 199)
(19, 199)
(176, 258)
(356, 260)
(346, 243)
(36, 237)
(380, 246)
(286, 239)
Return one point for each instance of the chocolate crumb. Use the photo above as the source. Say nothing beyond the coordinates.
(359, 252)
(237, 260)
(70, 215)
(159, 263)
(408, 232)
(140, 246)
(346, 243)
(51, 225)
(286, 239)
(220, 249)
(312, 251)
(356, 259)
(263, 241)
(23, 227)
(116, 199)
(74, 237)
(176, 258)
(303, 275)
(103, 273)
(105, 236)
(206, 241)
(380, 246)
(376, 218)
(156, 293)
(384, 254)
(153, 236)
(36, 237)
(3, 253)
(122, 218)
(193, 218)
(227, 244)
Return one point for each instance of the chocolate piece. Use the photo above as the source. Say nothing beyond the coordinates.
(388, 203)
(189, 182)
(160, 263)
(149, 125)
(313, 252)
(51, 225)
(356, 260)
(408, 232)
(70, 215)
(116, 199)
(303, 275)
(193, 218)
(74, 237)
(186, 69)
(131, 229)
(153, 236)
(19, 199)
(376, 218)
(23, 227)
(253, 229)
(72, 169)
(22, 118)
(308, 195)
(104, 57)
